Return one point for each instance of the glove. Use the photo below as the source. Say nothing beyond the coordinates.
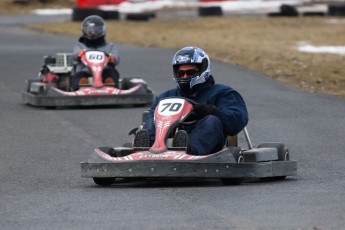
(202, 110)
(111, 60)
(81, 53)
(44, 70)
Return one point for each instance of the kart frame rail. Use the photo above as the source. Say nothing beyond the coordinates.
(149, 169)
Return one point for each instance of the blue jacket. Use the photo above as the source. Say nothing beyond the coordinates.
(232, 110)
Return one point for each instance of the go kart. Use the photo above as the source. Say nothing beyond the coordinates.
(232, 165)
(52, 88)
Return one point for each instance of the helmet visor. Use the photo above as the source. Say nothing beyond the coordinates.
(93, 31)
(189, 73)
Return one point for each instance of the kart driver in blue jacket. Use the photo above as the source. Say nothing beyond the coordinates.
(221, 110)
(93, 38)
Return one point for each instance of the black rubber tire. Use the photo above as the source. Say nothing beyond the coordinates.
(336, 9)
(104, 181)
(232, 181)
(63, 82)
(50, 107)
(210, 11)
(125, 83)
(79, 14)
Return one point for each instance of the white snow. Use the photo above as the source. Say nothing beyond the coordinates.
(321, 49)
(52, 11)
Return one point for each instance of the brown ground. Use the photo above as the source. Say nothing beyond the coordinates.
(25, 6)
(263, 44)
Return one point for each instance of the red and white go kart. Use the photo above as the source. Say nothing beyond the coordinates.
(232, 165)
(52, 88)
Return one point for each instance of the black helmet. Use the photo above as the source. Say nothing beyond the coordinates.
(191, 55)
(93, 27)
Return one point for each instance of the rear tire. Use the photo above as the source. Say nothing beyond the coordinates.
(64, 82)
(126, 83)
(104, 181)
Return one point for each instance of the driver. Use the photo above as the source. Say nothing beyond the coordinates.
(220, 110)
(93, 38)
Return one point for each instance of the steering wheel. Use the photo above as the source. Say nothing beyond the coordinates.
(192, 118)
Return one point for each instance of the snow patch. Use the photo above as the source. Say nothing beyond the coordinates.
(308, 48)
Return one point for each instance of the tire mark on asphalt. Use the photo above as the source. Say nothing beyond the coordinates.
(77, 131)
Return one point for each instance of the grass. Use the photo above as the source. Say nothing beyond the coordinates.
(264, 44)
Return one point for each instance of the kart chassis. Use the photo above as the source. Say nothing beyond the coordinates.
(232, 164)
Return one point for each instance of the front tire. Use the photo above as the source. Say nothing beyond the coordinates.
(232, 181)
(104, 181)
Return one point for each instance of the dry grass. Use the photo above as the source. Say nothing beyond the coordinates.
(268, 45)
(10, 7)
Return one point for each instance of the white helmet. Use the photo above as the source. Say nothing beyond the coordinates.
(191, 55)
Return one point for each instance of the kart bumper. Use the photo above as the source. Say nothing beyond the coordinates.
(42, 94)
(63, 100)
(171, 169)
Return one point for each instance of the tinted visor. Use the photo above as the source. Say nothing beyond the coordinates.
(93, 31)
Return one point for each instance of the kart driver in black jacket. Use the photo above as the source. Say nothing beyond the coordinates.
(93, 38)
(221, 110)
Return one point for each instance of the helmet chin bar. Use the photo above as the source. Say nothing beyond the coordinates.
(184, 84)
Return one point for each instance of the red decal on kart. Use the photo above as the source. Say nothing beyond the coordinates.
(91, 91)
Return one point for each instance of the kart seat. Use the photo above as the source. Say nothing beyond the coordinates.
(232, 141)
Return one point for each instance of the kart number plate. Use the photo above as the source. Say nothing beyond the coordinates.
(169, 107)
(95, 56)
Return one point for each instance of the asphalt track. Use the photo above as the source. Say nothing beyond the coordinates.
(40, 150)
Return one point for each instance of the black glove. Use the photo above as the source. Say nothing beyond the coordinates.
(111, 64)
(202, 110)
(44, 70)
